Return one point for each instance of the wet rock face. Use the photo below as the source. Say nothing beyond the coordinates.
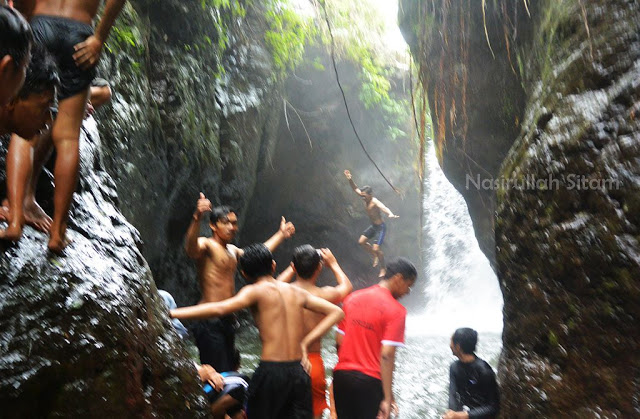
(86, 335)
(566, 224)
(568, 250)
(179, 125)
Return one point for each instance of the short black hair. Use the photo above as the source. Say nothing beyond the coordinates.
(367, 189)
(219, 213)
(256, 261)
(15, 34)
(42, 73)
(403, 267)
(306, 260)
(467, 338)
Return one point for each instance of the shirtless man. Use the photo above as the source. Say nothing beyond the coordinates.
(216, 260)
(376, 231)
(15, 44)
(64, 27)
(307, 265)
(279, 388)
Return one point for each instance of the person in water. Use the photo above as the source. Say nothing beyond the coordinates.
(15, 45)
(280, 386)
(64, 28)
(306, 267)
(373, 327)
(473, 390)
(377, 230)
(216, 261)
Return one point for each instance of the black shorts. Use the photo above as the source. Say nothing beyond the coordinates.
(59, 35)
(376, 232)
(235, 385)
(215, 339)
(357, 395)
(280, 390)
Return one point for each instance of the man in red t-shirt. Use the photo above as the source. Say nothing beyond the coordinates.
(373, 327)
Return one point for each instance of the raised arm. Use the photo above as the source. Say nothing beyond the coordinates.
(384, 208)
(333, 314)
(194, 246)
(387, 365)
(88, 52)
(286, 230)
(353, 185)
(287, 275)
(339, 292)
(246, 297)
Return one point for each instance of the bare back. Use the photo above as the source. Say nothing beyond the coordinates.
(216, 271)
(311, 319)
(279, 316)
(80, 10)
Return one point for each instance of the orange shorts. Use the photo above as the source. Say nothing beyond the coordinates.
(318, 384)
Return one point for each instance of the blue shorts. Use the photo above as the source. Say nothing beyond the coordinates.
(376, 232)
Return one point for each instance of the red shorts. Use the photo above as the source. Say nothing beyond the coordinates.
(318, 384)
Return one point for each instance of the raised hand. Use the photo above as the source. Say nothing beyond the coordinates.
(327, 257)
(203, 205)
(287, 228)
(347, 174)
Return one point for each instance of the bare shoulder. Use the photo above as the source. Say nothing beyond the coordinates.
(377, 201)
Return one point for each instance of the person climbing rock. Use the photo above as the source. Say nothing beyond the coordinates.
(377, 230)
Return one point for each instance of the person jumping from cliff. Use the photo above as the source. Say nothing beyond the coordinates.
(306, 267)
(64, 27)
(280, 386)
(377, 230)
(216, 261)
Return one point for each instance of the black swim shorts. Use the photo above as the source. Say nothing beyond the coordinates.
(376, 232)
(59, 35)
(215, 339)
(357, 395)
(280, 390)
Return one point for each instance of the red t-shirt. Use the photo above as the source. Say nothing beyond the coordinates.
(372, 318)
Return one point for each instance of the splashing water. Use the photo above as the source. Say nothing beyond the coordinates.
(462, 290)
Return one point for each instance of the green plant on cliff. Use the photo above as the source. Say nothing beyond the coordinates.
(287, 36)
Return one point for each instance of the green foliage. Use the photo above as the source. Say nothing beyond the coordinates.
(287, 35)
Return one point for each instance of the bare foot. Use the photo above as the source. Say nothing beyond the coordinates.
(375, 261)
(57, 244)
(35, 216)
(12, 233)
(382, 273)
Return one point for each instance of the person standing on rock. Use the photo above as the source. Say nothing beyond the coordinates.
(377, 230)
(280, 387)
(473, 390)
(306, 267)
(373, 327)
(15, 44)
(64, 28)
(216, 261)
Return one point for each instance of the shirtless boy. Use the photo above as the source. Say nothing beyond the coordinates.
(306, 266)
(216, 261)
(64, 28)
(280, 388)
(376, 231)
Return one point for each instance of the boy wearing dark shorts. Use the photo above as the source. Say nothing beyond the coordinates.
(280, 387)
(64, 27)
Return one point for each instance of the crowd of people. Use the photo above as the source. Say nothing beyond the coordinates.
(48, 54)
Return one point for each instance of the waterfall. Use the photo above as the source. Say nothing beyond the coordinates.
(460, 287)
